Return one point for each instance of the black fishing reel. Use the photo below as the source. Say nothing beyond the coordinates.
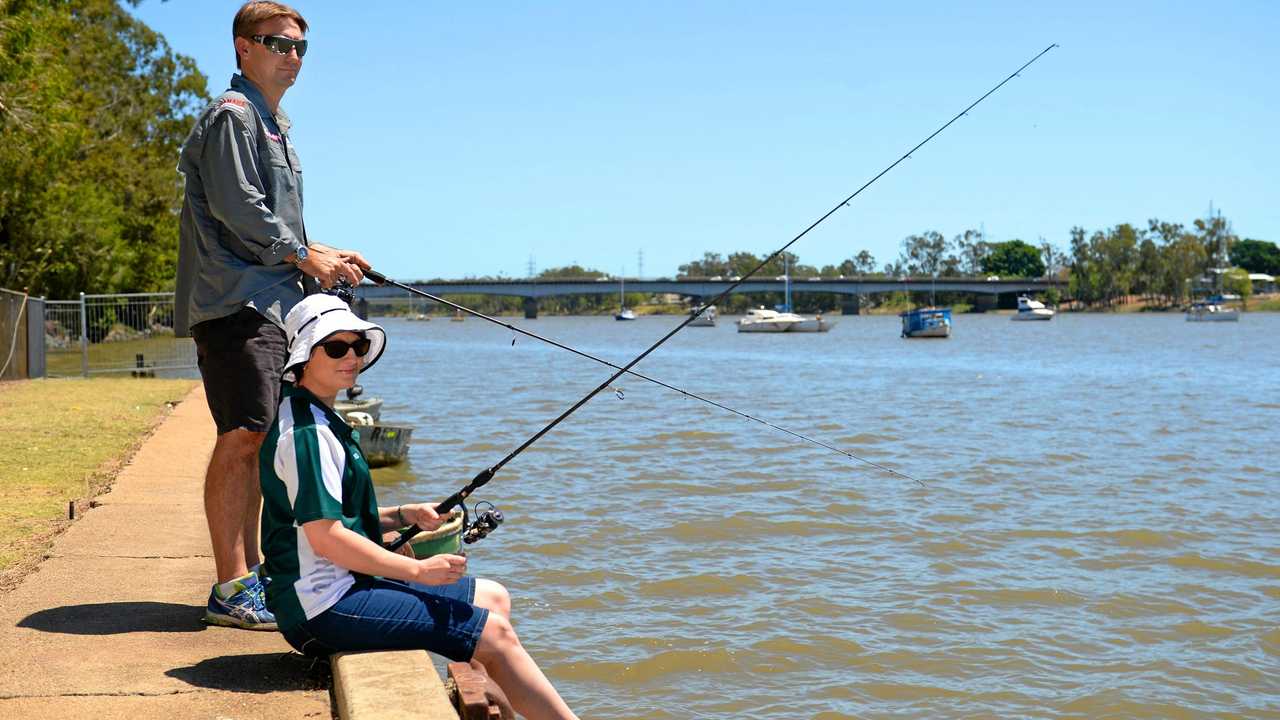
(484, 523)
(343, 290)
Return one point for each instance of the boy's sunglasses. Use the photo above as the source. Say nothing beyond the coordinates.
(337, 349)
(281, 45)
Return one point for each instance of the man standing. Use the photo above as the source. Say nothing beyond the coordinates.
(244, 261)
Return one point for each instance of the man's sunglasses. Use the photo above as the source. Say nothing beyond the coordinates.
(281, 45)
(337, 349)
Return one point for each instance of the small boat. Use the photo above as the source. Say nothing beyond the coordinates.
(930, 322)
(625, 313)
(706, 319)
(371, 407)
(419, 317)
(384, 445)
(763, 320)
(1029, 309)
(458, 316)
(1212, 310)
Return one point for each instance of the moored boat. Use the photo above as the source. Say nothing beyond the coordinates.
(706, 319)
(764, 320)
(1029, 309)
(930, 322)
(1212, 310)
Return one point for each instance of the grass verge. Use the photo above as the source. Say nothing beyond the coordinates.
(67, 439)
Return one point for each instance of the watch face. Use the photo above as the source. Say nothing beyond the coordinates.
(302, 253)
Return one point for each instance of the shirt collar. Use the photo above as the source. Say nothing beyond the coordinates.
(244, 85)
(336, 421)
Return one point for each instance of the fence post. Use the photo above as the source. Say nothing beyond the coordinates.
(84, 339)
(36, 359)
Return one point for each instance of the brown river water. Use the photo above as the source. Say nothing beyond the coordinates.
(1096, 534)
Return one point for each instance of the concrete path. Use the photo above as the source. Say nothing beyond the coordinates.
(109, 625)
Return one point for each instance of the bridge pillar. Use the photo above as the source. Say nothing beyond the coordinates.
(530, 308)
(852, 305)
(983, 302)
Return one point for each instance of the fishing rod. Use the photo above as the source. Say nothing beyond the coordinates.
(381, 279)
(487, 474)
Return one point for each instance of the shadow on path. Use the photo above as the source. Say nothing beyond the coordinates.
(117, 618)
(262, 673)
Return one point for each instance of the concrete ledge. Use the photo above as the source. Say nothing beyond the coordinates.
(395, 684)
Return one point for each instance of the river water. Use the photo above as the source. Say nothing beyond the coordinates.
(1096, 534)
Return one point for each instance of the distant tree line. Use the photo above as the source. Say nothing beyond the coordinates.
(1165, 263)
(93, 108)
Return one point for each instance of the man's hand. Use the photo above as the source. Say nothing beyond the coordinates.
(329, 266)
(441, 569)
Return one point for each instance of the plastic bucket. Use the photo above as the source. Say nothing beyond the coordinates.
(446, 539)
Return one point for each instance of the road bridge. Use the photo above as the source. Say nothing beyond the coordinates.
(531, 290)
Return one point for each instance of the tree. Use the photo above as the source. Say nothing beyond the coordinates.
(93, 108)
(1014, 258)
(1236, 281)
(923, 254)
(1257, 256)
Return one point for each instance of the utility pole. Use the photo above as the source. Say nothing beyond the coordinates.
(639, 264)
(532, 267)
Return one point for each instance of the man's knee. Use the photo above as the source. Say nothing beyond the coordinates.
(240, 442)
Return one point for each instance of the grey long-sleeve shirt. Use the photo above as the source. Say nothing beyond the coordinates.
(241, 213)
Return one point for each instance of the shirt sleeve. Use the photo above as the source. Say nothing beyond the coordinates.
(235, 188)
(310, 460)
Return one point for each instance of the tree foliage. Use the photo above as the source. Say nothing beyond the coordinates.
(1256, 256)
(1014, 258)
(93, 109)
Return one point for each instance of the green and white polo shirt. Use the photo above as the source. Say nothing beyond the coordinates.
(311, 468)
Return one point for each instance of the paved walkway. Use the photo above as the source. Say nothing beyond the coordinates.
(109, 625)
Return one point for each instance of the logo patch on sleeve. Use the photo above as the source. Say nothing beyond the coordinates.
(236, 104)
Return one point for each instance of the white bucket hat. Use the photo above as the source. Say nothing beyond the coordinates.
(316, 319)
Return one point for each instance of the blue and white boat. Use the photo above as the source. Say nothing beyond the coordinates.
(930, 322)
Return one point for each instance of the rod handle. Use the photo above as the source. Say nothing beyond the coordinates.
(375, 276)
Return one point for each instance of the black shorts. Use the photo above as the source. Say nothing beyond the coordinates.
(241, 358)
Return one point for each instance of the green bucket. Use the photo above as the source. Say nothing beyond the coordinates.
(446, 539)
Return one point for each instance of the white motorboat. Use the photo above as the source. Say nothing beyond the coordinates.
(1029, 309)
(762, 320)
(1212, 310)
(706, 319)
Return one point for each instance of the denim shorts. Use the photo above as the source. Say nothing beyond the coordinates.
(380, 614)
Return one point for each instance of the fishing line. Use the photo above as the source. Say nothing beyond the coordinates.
(487, 474)
(384, 280)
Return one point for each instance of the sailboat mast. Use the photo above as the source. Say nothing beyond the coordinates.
(786, 275)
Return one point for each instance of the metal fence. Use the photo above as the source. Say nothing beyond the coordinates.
(122, 333)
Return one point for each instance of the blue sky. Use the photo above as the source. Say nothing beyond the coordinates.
(461, 139)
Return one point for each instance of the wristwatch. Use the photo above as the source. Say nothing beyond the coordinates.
(300, 256)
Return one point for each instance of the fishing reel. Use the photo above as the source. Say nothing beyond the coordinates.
(343, 290)
(484, 523)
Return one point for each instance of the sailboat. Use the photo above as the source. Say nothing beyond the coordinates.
(625, 313)
(1212, 309)
(926, 322)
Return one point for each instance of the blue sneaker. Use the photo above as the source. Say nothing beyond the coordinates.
(245, 609)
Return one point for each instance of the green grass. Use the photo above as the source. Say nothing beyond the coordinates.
(121, 354)
(66, 440)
